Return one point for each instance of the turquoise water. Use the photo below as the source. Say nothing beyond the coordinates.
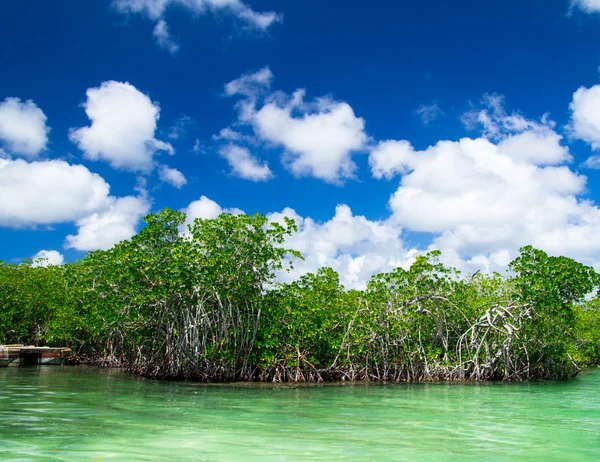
(81, 413)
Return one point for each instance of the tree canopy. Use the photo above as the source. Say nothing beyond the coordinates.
(203, 302)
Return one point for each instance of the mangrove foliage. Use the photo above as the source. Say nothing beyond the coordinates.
(203, 302)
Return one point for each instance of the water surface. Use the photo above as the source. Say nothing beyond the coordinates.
(81, 413)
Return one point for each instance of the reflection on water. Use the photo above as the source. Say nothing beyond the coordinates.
(81, 413)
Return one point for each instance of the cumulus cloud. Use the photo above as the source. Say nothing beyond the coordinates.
(163, 37)
(318, 143)
(588, 6)
(53, 191)
(473, 182)
(318, 137)
(481, 199)
(155, 10)
(390, 158)
(113, 224)
(244, 165)
(585, 116)
(539, 146)
(23, 129)
(48, 192)
(172, 176)
(354, 246)
(123, 123)
(47, 258)
(429, 112)
(206, 209)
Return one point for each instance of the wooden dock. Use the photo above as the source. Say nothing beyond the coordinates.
(30, 355)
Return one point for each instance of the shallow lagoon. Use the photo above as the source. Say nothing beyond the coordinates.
(82, 413)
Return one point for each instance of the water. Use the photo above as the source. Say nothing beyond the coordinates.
(80, 413)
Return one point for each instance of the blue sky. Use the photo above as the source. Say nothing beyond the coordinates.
(384, 128)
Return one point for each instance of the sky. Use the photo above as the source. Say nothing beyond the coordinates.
(384, 129)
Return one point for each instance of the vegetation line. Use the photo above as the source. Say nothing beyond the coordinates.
(204, 305)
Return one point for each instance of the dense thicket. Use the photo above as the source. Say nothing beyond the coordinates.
(202, 303)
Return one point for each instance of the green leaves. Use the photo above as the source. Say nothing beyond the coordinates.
(586, 348)
(30, 299)
(304, 321)
(552, 282)
(203, 303)
(175, 304)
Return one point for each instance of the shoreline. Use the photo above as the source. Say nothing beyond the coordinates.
(306, 384)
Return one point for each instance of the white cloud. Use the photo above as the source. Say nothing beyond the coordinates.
(318, 143)
(180, 127)
(540, 146)
(475, 182)
(588, 6)
(48, 257)
(227, 134)
(585, 115)
(23, 128)
(53, 191)
(48, 192)
(390, 158)
(495, 123)
(520, 138)
(318, 137)
(245, 165)
(123, 126)
(354, 246)
(172, 176)
(250, 84)
(429, 112)
(115, 223)
(198, 147)
(592, 162)
(483, 199)
(163, 38)
(206, 209)
(260, 21)
(155, 10)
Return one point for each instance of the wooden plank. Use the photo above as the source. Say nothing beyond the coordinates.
(30, 355)
(45, 351)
